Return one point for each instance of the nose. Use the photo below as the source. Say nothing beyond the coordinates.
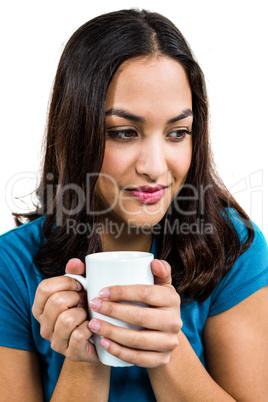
(152, 160)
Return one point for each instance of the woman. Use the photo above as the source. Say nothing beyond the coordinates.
(128, 167)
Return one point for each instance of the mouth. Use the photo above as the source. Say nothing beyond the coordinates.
(148, 194)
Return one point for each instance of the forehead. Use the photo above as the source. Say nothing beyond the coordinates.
(149, 80)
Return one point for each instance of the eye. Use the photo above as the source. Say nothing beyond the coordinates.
(178, 135)
(122, 135)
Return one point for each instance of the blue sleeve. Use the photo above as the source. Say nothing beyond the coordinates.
(249, 274)
(15, 316)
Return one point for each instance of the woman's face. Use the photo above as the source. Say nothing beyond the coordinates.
(148, 140)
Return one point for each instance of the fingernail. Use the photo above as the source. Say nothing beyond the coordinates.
(79, 286)
(95, 304)
(105, 343)
(94, 325)
(104, 293)
(163, 265)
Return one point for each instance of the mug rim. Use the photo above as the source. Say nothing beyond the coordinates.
(119, 255)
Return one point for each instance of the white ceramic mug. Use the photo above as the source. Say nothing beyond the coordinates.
(110, 269)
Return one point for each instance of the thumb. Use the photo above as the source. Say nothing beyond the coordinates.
(162, 272)
(75, 266)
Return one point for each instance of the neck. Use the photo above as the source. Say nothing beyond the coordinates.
(125, 238)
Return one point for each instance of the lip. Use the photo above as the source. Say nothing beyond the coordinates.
(148, 194)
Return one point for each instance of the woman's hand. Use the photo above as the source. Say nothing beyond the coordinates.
(151, 347)
(60, 306)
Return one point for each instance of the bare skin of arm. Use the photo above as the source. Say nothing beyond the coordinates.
(175, 371)
(20, 378)
(63, 318)
(82, 381)
(236, 344)
(20, 375)
(236, 352)
(236, 357)
(184, 378)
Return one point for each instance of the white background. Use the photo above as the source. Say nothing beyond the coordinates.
(229, 39)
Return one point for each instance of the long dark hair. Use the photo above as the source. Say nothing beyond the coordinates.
(75, 147)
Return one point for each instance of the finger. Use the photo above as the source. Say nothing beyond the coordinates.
(151, 318)
(83, 300)
(140, 358)
(142, 340)
(75, 266)
(162, 272)
(80, 348)
(66, 323)
(49, 286)
(56, 304)
(153, 295)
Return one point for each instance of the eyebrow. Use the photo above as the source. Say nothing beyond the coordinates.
(185, 113)
(129, 116)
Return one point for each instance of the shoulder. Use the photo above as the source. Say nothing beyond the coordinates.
(18, 246)
(19, 279)
(248, 274)
(29, 233)
(241, 224)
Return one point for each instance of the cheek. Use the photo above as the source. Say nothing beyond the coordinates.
(115, 162)
(114, 169)
(108, 162)
(180, 162)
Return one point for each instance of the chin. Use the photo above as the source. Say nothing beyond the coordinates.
(145, 222)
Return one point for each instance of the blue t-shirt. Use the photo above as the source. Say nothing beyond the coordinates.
(19, 279)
